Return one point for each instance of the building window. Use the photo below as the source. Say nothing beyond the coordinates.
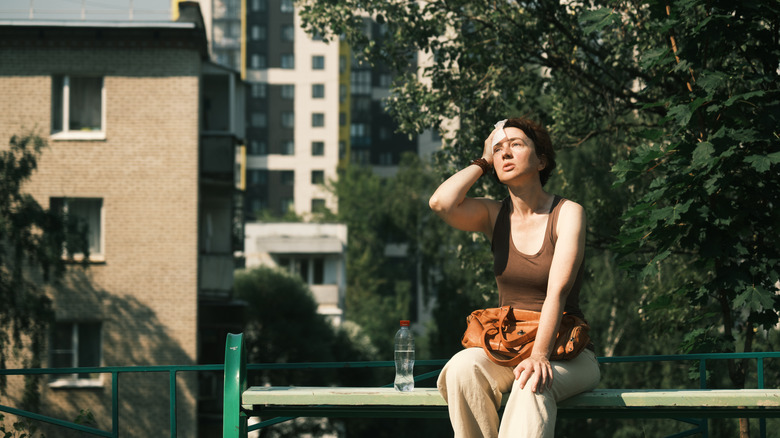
(259, 33)
(342, 119)
(258, 176)
(288, 177)
(318, 206)
(288, 119)
(385, 80)
(287, 205)
(76, 345)
(288, 147)
(256, 205)
(318, 177)
(84, 218)
(288, 61)
(318, 91)
(359, 130)
(288, 91)
(259, 61)
(361, 156)
(342, 64)
(318, 120)
(288, 32)
(318, 62)
(360, 82)
(258, 120)
(386, 159)
(318, 148)
(258, 148)
(287, 6)
(259, 90)
(311, 270)
(342, 93)
(342, 150)
(259, 5)
(78, 107)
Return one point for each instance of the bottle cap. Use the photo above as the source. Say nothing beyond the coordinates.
(404, 323)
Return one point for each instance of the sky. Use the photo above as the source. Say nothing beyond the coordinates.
(91, 10)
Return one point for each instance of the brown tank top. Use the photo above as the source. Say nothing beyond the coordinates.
(522, 278)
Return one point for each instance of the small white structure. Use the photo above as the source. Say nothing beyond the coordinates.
(317, 252)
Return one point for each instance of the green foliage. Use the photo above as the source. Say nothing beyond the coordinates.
(698, 167)
(680, 103)
(31, 247)
(23, 428)
(713, 176)
(283, 326)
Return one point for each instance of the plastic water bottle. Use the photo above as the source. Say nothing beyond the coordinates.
(404, 358)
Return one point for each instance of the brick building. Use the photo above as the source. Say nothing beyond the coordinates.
(142, 132)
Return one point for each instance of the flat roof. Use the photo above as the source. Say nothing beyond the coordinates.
(108, 24)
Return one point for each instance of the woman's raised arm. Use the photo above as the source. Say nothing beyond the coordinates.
(449, 201)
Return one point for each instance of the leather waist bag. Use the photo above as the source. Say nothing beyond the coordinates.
(507, 335)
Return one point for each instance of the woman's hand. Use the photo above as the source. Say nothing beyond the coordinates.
(535, 371)
(487, 151)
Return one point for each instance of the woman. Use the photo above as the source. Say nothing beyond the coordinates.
(538, 242)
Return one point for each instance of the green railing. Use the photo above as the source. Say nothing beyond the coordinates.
(173, 370)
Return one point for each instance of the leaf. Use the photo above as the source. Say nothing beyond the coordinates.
(680, 114)
(702, 155)
(711, 81)
(598, 19)
(743, 97)
(653, 58)
(761, 163)
(755, 298)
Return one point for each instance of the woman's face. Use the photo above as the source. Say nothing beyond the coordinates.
(516, 156)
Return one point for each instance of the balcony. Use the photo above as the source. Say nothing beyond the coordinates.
(215, 278)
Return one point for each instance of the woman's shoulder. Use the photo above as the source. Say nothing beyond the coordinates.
(570, 213)
(566, 204)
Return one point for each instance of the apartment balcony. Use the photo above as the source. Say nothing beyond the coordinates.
(215, 277)
(218, 158)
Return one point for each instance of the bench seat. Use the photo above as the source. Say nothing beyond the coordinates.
(427, 402)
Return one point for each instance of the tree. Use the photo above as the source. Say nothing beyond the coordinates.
(283, 326)
(682, 97)
(32, 240)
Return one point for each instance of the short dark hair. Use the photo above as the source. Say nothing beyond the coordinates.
(542, 143)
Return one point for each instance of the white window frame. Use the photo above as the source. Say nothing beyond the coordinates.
(73, 380)
(66, 133)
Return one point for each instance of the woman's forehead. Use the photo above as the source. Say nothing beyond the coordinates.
(513, 133)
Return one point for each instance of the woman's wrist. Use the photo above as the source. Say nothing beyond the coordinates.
(483, 164)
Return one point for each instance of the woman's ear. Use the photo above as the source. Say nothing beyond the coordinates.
(542, 162)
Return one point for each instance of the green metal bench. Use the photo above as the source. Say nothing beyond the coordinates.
(241, 402)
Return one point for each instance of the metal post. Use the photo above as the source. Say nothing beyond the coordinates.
(234, 420)
(115, 404)
(172, 389)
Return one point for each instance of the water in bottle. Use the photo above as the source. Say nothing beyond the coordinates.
(404, 358)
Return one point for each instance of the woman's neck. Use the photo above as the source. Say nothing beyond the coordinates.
(529, 199)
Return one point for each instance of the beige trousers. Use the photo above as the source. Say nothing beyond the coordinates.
(473, 387)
